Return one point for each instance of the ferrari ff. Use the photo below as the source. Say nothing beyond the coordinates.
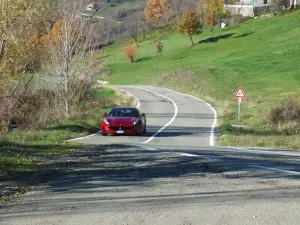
(124, 120)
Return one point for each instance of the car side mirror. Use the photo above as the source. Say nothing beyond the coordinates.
(105, 114)
(143, 114)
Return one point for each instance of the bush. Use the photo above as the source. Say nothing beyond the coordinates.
(286, 117)
(289, 128)
(130, 52)
(159, 47)
(287, 112)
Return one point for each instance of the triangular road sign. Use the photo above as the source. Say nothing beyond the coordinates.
(240, 93)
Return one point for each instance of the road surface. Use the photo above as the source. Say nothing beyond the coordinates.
(173, 175)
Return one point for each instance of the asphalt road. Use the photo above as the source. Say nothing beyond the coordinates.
(172, 118)
(173, 175)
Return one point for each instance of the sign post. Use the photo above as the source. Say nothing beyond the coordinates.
(239, 95)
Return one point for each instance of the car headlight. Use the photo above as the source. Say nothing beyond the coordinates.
(136, 122)
(105, 121)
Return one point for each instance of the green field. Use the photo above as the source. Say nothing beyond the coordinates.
(261, 55)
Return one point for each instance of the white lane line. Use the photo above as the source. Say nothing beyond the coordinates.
(261, 151)
(82, 137)
(150, 149)
(189, 155)
(207, 158)
(171, 121)
(212, 131)
(275, 169)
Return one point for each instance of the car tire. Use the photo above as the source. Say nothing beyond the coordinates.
(103, 134)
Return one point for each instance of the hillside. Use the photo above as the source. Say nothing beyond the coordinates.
(261, 55)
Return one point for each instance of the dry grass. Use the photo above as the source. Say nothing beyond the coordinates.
(124, 98)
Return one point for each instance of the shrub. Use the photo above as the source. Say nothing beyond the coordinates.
(159, 47)
(289, 128)
(287, 112)
(130, 52)
(286, 117)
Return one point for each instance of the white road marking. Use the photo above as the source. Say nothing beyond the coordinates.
(171, 121)
(150, 149)
(275, 169)
(208, 158)
(82, 137)
(263, 152)
(189, 155)
(212, 131)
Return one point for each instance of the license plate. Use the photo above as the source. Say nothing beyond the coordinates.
(120, 132)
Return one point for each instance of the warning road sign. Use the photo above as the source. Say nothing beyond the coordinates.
(240, 93)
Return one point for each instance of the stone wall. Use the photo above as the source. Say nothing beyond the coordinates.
(244, 10)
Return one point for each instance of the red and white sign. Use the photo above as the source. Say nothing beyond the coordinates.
(240, 93)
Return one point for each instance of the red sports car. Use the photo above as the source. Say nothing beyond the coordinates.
(124, 120)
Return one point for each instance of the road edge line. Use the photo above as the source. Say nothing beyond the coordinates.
(213, 127)
(167, 124)
(82, 137)
(275, 169)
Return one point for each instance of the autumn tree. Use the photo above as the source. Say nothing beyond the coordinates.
(21, 24)
(19, 18)
(130, 52)
(159, 47)
(215, 8)
(211, 22)
(155, 9)
(190, 24)
(71, 55)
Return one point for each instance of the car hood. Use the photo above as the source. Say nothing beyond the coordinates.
(119, 121)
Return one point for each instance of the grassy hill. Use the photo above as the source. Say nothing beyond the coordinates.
(261, 55)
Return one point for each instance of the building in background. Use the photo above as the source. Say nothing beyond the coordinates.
(252, 8)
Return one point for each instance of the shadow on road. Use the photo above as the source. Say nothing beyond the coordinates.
(103, 177)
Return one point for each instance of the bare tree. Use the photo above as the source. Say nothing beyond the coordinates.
(72, 56)
(133, 24)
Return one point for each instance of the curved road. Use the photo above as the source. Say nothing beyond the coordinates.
(173, 175)
(172, 119)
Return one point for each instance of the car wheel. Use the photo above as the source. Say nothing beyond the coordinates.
(103, 134)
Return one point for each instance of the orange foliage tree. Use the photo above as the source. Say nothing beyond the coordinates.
(190, 24)
(211, 22)
(155, 9)
(159, 47)
(217, 8)
(130, 52)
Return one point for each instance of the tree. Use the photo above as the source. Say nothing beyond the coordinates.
(16, 17)
(159, 47)
(71, 55)
(215, 8)
(133, 25)
(155, 9)
(190, 24)
(130, 52)
(211, 22)
(21, 24)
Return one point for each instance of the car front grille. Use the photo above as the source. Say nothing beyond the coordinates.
(120, 128)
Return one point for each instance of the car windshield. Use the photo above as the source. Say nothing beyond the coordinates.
(124, 112)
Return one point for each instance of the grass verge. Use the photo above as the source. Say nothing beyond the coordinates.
(260, 55)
